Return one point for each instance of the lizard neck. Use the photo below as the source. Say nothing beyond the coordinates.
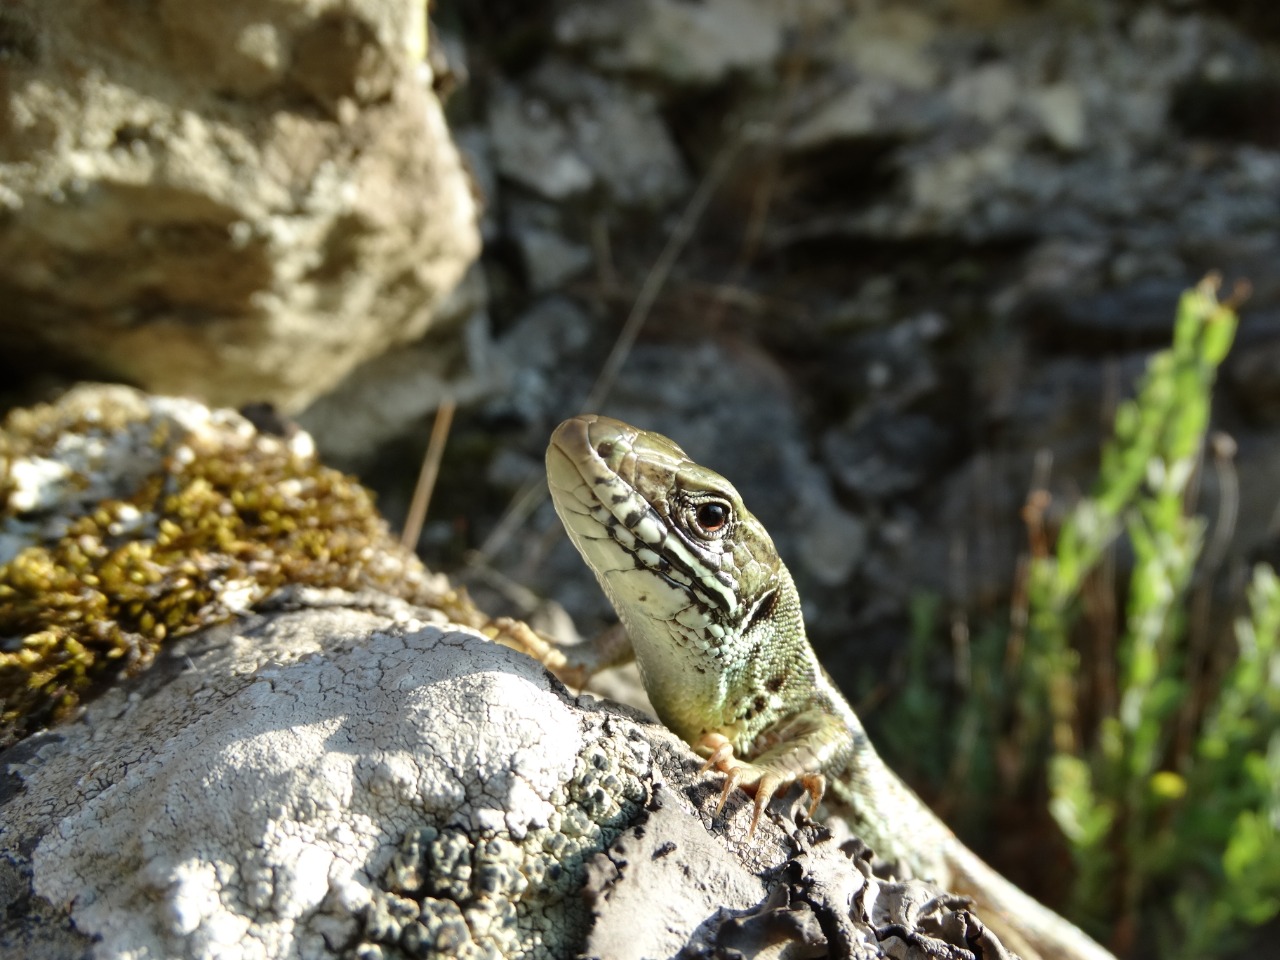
(712, 612)
(733, 683)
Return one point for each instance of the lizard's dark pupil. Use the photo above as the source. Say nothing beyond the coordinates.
(712, 516)
(605, 448)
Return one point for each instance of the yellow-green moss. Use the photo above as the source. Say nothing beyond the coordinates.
(206, 518)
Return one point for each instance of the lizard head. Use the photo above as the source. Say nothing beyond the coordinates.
(669, 540)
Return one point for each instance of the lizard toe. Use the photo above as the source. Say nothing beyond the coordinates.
(815, 784)
(721, 753)
(766, 787)
(732, 780)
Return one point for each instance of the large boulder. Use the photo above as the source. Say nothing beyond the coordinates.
(240, 199)
(350, 776)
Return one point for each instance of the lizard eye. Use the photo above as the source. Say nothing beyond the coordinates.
(712, 516)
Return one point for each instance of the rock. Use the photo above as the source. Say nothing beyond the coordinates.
(348, 748)
(1252, 371)
(869, 110)
(128, 520)
(476, 150)
(348, 775)
(392, 396)
(882, 455)
(533, 147)
(1240, 480)
(237, 200)
(988, 92)
(683, 43)
(619, 132)
(1033, 80)
(571, 130)
(642, 861)
(1062, 112)
(890, 443)
(1062, 267)
(550, 259)
(1139, 315)
(534, 353)
(549, 256)
(891, 44)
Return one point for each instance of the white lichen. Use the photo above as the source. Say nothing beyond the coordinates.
(409, 784)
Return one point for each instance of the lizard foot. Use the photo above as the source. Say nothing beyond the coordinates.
(761, 781)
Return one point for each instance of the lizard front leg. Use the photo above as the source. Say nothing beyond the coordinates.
(801, 749)
(573, 664)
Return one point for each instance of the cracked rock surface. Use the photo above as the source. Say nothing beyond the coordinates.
(316, 783)
(347, 775)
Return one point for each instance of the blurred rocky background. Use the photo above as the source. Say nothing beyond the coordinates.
(939, 242)
(886, 264)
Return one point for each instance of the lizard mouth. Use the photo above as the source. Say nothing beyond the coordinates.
(593, 450)
(591, 470)
(572, 457)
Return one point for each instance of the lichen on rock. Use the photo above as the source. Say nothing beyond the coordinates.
(320, 779)
(449, 893)
(127, 519)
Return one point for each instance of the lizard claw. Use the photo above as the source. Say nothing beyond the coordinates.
(815, 784)
(761, 781)
(766, 787)
(732, 778)
(721, 752)
(721, 757)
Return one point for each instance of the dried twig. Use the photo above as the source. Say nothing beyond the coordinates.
(427, 476)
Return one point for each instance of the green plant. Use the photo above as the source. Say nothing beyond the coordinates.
(1237, 758)
(1144, 813)
(955, 770)
(916, 698)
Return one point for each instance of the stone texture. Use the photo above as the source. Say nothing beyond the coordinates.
(347, 775)
(127, 520)
(237, 200)
(697, 43)
(392, 396)
(322, 730)
(1253, 371)
(567, 130)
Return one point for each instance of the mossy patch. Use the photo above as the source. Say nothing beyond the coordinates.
(126, 520)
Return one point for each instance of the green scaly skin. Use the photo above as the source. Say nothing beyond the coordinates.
(714, 622)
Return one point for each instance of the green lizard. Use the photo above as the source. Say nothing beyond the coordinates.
(714, 621)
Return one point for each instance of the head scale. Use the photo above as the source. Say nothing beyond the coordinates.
(661, 530)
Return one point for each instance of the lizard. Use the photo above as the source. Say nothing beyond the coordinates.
(713, 619)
